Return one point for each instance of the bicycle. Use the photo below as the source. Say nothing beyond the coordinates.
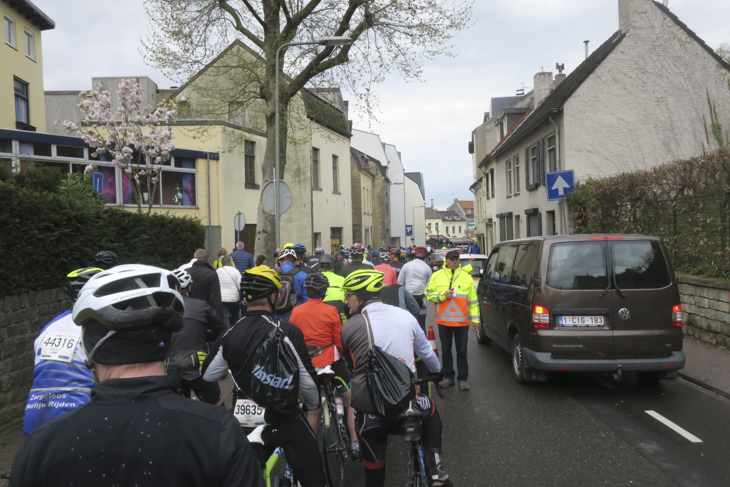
(335, 436)
(251, 415)
(411, 420)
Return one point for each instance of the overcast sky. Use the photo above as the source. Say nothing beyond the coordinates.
(431, 122)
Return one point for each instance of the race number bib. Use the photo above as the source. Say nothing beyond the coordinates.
(58, 347)
(248, 413)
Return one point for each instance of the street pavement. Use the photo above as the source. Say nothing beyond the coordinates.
(572, 430)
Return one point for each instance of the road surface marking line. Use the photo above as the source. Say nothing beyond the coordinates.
(674, 426)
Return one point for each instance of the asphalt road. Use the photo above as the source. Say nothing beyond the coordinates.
(574, 430)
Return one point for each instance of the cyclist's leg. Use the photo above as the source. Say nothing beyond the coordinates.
(313, 418)
(446, 334)
(300, 447)
(343, 387)
(372, 431)
(431, 439)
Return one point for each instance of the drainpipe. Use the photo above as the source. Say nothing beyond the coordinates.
(210, 230)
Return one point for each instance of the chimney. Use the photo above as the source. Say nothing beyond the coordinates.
(543, 84)
(560, 77)
(632, 13)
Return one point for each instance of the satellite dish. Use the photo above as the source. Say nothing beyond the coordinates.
(268, 198)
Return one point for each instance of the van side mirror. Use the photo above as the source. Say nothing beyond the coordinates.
(536, 281)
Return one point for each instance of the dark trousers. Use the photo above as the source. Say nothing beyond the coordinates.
(230, 313)
(460, 336)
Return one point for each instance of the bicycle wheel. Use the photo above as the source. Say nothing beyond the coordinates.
(416, 460)
(334, 449)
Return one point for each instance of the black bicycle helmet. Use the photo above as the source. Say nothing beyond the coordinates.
(128, 314)
(105, 259)
(316, 282)
(77, 279)
(327, 259)
(259, 282)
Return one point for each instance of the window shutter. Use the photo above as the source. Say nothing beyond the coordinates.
(528, 169)
(539, 224)
(541, 161)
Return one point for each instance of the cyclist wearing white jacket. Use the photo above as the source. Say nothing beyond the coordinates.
(230, 279)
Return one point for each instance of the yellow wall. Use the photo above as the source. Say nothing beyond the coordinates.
(13, 62)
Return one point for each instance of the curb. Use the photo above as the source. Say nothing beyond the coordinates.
(705, 385)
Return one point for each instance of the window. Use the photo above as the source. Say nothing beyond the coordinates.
(250, 164)
(516, 163)
(525, 264)
(429, 228)
(453, 229)
(29, 44)
(518, 224)
(578, 265)
(9, 30)
(534, 170)
(315, 168)
(22, 108)
(437, 228)
(459, 228)
(317, 239)
(639, 265)
(509, 178)
(505, 226)
(550, 223)
(534, 222)
(491, 181)
(551, 155)
(335, 174)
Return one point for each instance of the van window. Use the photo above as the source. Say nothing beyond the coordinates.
(525, 264)
(490, 273)
(577, 265)
(505, 262)
(639, 265)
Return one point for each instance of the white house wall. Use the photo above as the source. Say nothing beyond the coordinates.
(415, 213)
(646, 104)
(397, 196)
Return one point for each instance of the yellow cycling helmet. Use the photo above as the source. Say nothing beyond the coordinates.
(366, 283)
(288, 245)
(259, 282)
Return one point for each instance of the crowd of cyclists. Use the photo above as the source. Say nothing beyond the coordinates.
(113, 375)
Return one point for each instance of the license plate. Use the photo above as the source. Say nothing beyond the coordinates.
(248, 413)
(581, 321)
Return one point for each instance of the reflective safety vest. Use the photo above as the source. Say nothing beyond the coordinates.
(463, 307)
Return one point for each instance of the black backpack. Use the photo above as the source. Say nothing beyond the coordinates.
(287, 296)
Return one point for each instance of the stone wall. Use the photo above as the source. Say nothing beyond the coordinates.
(707, 301)
(22, 317)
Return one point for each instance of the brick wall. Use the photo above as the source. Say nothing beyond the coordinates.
(22, 317)
(708, 303)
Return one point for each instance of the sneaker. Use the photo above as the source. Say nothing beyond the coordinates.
(446, 382)
(355, 450)
(464, 385)
(437, 476)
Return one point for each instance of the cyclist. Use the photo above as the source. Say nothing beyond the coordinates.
(61, 381)
(313, 260)
(106, 259)
(394, 260)
(235, 350)
(357, 252)
(414, 276)
(335, 294)
(396, 332)
(135, 421)
(189, 346)
(289, 271)
(321, 326)
(389, 276)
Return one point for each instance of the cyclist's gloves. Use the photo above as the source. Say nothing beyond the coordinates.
(440, 377)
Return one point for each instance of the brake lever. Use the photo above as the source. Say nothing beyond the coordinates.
(438, 390)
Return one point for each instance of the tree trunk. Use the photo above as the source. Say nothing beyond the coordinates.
(265, 223)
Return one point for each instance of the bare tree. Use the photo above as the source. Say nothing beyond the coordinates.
(388, 36)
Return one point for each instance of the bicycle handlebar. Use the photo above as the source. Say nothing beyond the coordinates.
(433, 378)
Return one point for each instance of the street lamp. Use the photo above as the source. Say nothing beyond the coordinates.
(323, 41)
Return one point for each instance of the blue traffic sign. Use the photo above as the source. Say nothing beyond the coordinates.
(559, 184)
(409, 230)
(98, 182)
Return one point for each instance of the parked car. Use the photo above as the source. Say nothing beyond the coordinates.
(583, 303)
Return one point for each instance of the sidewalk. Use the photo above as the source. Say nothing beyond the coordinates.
(707, 366)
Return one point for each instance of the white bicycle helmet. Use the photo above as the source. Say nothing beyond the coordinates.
(184, 277)
(134, 308)
(286, 253)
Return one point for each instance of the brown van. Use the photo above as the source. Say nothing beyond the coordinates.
(583, 303)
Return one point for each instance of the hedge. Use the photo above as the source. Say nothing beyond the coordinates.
(686, 203)
(44, 236)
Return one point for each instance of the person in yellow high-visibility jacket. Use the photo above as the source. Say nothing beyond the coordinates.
(452, 291)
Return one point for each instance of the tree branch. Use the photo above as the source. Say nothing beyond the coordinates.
(239, 25)
(295, 21)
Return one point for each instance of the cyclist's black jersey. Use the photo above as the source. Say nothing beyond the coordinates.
(235, 348)
(138, 432)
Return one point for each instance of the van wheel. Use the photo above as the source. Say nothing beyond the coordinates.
(482, 338)
(521, 372)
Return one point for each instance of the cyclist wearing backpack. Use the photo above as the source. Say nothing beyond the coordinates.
(237, 350)
(292, 284)
(397, 333)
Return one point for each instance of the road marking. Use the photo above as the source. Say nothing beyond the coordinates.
(674, 426)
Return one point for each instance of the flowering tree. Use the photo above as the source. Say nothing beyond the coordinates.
(136, 138)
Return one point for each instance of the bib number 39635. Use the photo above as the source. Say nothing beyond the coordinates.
(248, 413)
(58, 347)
